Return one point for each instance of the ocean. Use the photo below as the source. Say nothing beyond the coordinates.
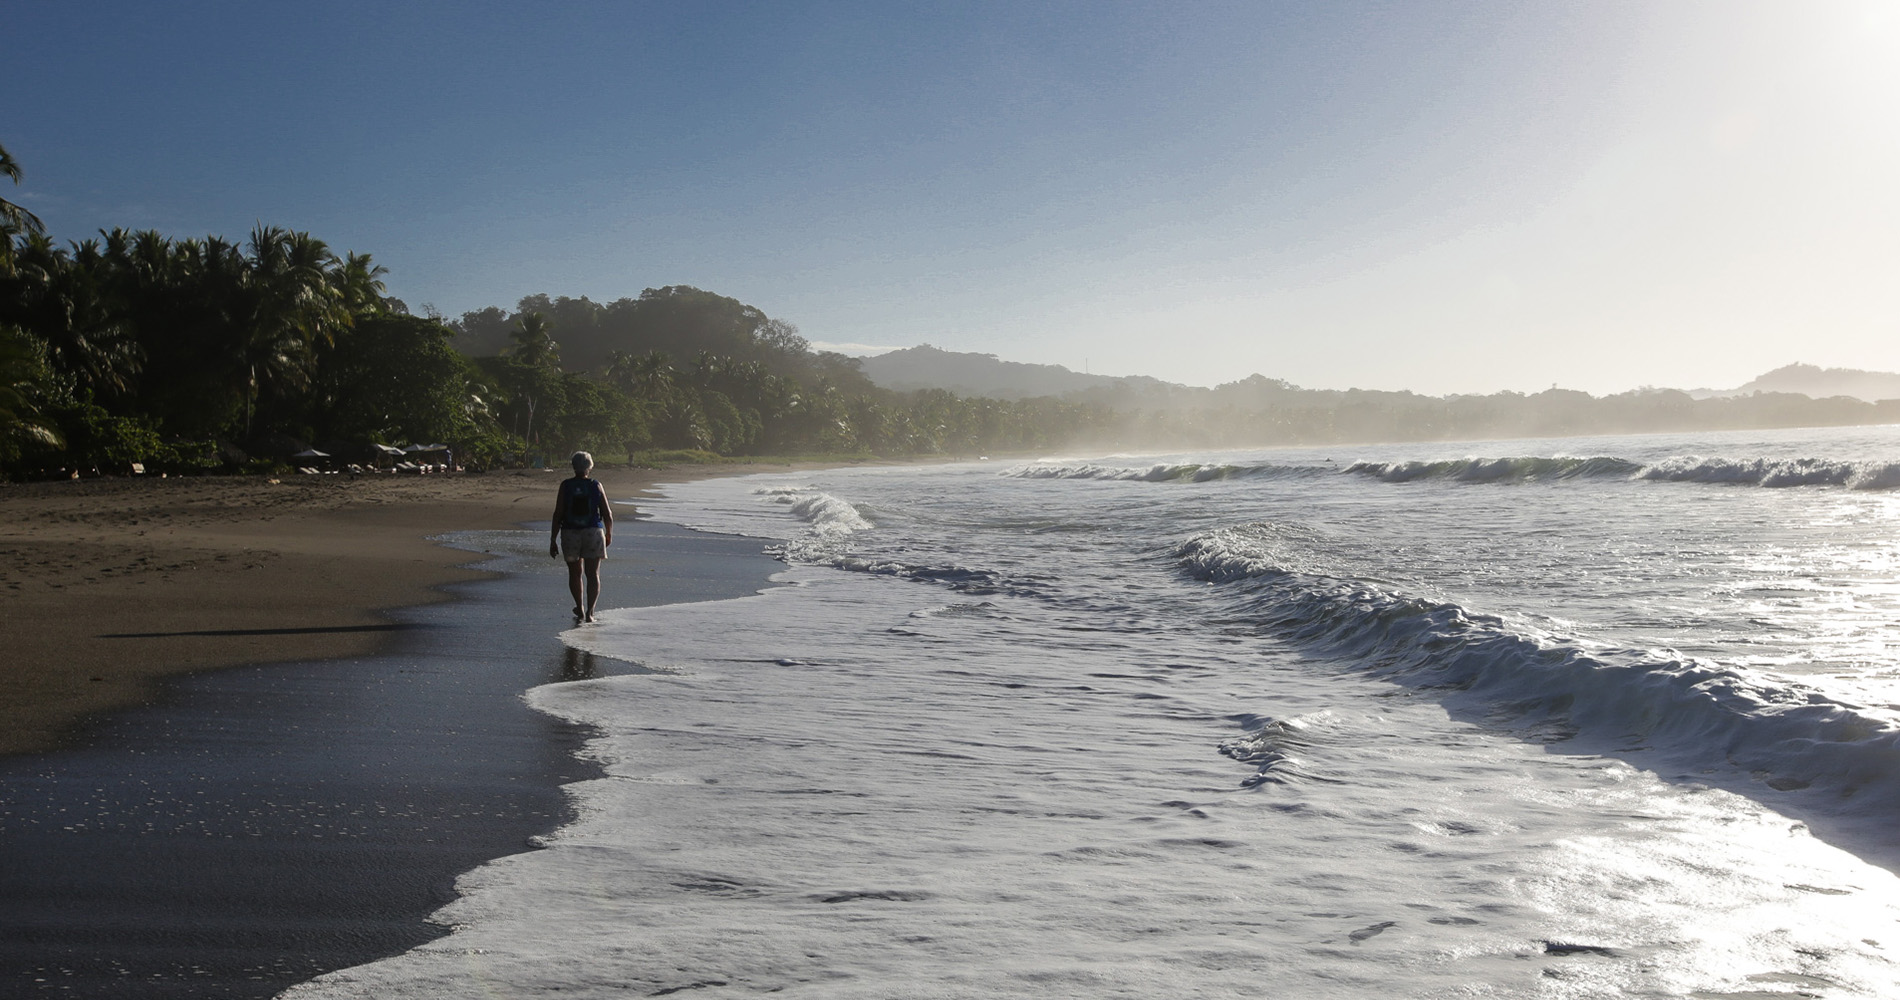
(1592, 717)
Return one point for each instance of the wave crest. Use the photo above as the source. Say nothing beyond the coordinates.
(1774, 473)
(1786, 737)
(1188, 472)
(1498, 470)
(825, 512)
(830, 524)
(1766, 472)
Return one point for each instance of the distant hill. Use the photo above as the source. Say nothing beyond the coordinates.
(678, 321)
(1817, 383)
(927, 367)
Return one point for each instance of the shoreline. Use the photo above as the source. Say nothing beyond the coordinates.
(108, 587)
(252, 827)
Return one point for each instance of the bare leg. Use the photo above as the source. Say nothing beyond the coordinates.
(574, 585)
(593, 585)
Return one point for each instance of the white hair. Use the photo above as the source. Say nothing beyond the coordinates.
(582, 461)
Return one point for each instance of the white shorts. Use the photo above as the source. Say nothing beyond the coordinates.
(583, 543)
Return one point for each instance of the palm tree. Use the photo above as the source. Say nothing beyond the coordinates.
(534, 342)
(361, 283)
(534, 371)
(14, 220)
(290, 305)
(21, 372)
(648, 378)
(66, 299)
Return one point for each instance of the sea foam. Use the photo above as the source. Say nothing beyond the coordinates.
(1775, 473)
(1698, 714)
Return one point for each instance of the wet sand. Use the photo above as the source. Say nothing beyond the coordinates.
(107, 586)
(246, 828)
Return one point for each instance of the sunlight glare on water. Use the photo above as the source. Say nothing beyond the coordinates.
(1110, 728)
(865, 790)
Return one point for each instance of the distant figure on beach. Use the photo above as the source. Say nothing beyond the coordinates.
(583, 528)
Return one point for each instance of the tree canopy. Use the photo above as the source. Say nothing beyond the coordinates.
(200, 353)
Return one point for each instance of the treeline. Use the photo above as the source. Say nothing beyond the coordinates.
(188, 354)
(683, 368)
(200, 354)
(191, 354)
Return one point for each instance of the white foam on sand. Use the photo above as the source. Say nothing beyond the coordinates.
(860, 786)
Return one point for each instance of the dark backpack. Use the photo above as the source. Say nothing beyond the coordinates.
(578, 510)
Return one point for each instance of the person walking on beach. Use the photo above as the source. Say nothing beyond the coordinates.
(583, 528)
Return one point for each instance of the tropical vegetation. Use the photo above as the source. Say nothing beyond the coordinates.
(136, 349)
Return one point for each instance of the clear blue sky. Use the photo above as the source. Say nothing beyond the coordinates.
(1446, 197)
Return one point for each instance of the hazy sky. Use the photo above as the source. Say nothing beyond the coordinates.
(1437, 196)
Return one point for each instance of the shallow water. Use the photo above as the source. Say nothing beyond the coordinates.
(1507, 719)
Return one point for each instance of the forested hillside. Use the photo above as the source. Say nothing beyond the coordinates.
(1811, 380)
(191, 355)
(686, 368)
(927, 367)
(1259, 410)
(188, 355)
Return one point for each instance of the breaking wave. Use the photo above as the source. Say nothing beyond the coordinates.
(1775, 473)
(831, 525)
(1497, 470)
(1189, 472)
(1764, 472)
(1786, 737)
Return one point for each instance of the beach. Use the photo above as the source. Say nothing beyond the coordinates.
(109, 585)
(1531, 718)
(309, 721)
(1589, 717)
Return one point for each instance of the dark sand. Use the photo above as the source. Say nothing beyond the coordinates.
(106, 586)
(250, 828)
